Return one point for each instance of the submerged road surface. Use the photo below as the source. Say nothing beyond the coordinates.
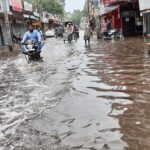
(88, 98)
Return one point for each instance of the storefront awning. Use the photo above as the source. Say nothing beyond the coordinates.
(146, 11)
(108, 9)
(33, 17)
(30, 17)
(26, 16)
(36, 14)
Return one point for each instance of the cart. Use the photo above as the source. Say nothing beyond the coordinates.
(69, 36)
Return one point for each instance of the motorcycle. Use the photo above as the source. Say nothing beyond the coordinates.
(16, 39)
(70, 37)
(112, 34)
(76, 33)
(31, 53)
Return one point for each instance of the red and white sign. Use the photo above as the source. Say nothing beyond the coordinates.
(16, 5)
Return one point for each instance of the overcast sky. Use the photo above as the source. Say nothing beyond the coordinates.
(71, 5)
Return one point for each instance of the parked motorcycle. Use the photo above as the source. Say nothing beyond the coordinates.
(16, 39)
(32, 54)
(112, 34)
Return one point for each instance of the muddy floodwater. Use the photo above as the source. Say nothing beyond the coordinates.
(88, 98)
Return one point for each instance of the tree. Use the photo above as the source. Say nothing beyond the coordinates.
(77, 16)
(37, 5)
(51, 6)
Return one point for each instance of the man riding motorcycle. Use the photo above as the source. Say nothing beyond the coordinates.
(34, 36)
(76, 31)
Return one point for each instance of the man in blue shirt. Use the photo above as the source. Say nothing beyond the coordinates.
(34, 36)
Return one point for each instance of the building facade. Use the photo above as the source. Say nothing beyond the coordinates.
(14, 18)
(145, 12)
(92, 8)
(123, 14)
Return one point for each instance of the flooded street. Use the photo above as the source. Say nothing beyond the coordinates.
(87, 98)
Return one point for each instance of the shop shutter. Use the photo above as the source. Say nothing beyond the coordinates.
(148, 23)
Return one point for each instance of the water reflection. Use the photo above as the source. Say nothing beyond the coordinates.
(123, 67)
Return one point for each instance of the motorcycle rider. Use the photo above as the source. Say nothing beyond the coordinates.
(34, 36)
(76, 30)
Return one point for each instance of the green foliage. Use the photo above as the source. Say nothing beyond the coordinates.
(85, 12)
(51, 6)
(77, 16)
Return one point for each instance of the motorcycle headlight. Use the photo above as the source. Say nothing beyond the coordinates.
(29, 46)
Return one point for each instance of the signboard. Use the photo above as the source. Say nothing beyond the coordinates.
(144, 4)
(16, 5)
(27, 6)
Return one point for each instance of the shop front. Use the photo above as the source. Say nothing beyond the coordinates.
(18, 24)
(128, 23)
(127, 17)
(17, 19)
(130, 18)
(45, 24)
(148, 23)
(36, 22)
(110, 14)
(145, 12)
(27, 12)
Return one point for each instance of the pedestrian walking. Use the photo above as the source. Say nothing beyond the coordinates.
(87, 34)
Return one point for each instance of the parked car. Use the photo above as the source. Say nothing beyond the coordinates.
(50, 33)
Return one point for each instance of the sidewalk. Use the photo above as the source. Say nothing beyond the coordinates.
(5, 53)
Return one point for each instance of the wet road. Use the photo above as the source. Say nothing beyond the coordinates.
(80, 97)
